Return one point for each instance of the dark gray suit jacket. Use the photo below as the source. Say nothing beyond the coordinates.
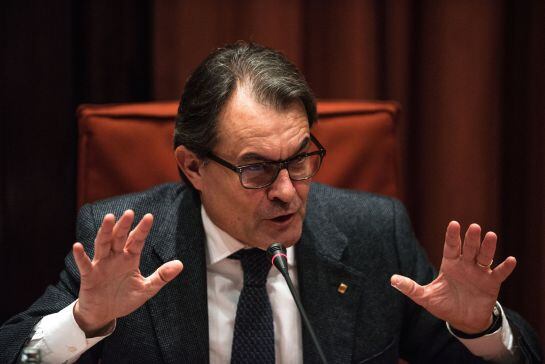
(348, 237)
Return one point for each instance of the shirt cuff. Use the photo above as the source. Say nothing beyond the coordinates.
(497, 346)
(60, 339)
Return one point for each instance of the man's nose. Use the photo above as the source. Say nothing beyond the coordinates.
(282, 188)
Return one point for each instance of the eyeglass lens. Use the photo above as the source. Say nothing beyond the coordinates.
(262, 174)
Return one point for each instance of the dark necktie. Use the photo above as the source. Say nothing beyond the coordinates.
(253, 338)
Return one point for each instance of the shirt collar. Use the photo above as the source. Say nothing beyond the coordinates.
(220, 245)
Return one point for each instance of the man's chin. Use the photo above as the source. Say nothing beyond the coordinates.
(269, 232)
(287, 237)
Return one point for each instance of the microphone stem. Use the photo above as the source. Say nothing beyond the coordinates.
(304, 316)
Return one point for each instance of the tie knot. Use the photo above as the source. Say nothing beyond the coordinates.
(255, 265)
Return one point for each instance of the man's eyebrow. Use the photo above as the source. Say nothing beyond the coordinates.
(252, 156)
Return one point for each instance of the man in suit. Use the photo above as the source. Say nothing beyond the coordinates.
(246, 154)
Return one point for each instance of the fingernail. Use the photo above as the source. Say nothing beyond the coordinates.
(394, 282)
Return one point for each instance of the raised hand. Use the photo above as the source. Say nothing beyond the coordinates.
(466, 289)
(111, 284)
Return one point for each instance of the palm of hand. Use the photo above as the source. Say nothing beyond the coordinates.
(117, 282)
(463, 293)
(111, 284)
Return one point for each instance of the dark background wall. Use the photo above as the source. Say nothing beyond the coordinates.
(469, 74)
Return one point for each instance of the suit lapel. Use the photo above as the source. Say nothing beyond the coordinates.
(320, 272)
(179, 311)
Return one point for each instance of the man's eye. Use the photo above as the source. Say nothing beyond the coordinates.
(255, 168)
(298, 159)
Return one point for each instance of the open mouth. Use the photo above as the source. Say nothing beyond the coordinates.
(282, 218)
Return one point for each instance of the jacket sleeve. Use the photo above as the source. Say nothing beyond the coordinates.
(15, 332)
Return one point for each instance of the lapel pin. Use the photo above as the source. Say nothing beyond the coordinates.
(342, 288)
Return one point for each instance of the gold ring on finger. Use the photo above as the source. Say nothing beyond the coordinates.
(484, 266)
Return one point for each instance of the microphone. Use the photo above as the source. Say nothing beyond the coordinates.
(277, 254)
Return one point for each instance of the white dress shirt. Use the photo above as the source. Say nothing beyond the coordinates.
(225, 280)
(60, 340)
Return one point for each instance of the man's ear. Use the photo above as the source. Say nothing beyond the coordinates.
(190, 164)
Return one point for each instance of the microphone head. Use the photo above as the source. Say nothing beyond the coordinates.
(275, 248)
(278, 256)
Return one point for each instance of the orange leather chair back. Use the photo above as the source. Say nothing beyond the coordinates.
(128, 147)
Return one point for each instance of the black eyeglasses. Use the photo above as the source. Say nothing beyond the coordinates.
(263, 174)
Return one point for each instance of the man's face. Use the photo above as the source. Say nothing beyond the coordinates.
(249, 132)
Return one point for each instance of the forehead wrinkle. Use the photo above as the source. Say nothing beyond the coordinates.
(247, 126)
(268, 145)
(256, 156)
(246, 96)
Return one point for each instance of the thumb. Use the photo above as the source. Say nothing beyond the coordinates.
(163, 275)
(408, 287)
